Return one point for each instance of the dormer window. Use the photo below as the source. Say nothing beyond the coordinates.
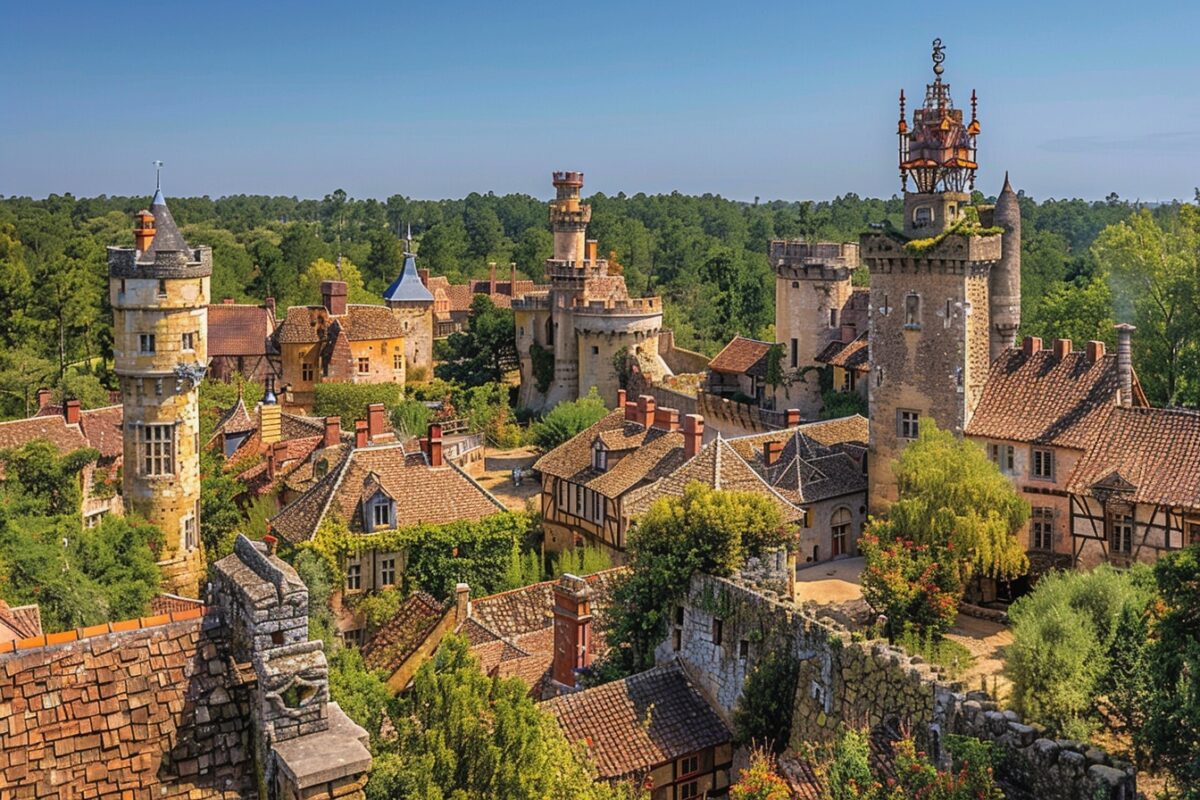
(378, 507)
(599, 457)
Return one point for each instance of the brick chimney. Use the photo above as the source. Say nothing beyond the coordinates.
(1031, 345)
(375, 417)
(44, 396)
(621, 399)
(226, 301)
(572, 629)
(1062, 348)
(592, 246)
(771, 452)
(462, 602)
(666, 419)
(275, 459)
(693, 435)
(333, 431)
(269, 305)
(792, 418)
(646, 406)
(423, 274)
(848, 333)
(333, 297)
(1095, 351)
(1125, 361)
(360, 433)
(631, 411)
(434, 445)
(71, 411)
(491, 277)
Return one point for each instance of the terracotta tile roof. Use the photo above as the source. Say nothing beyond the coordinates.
(114, 709)
(530, 608)
(303, 324)
(20, 622)
(236, 420)
(848, 355)
(363, 322)
(423, 494)
(640, 722)
(460, 295)
(1157, 450)
(401, 635)
(53, 429)
(717, 465)
(650, 454)
(171, 603)
(742, 356)
(104, 429)
(1041, 399)
(295, 455)
(808, 469)
(239, 330)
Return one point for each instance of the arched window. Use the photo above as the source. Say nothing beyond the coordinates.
(839, 525)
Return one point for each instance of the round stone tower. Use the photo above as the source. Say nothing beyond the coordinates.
(568, 217)
(1004, 283)
(159, 291)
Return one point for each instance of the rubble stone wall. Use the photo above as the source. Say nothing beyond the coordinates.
(871, 684)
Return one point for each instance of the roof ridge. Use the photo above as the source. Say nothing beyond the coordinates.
(104, 628)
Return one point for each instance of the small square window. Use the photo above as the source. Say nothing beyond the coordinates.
(146, 343)
(354, 577)
(595, 350)
(306, 372)
(364, 364)
(387, 572)
(907, 424)
(1043, 464)
(188, 341)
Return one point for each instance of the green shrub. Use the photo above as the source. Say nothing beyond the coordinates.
(567, 420)
(350, 400)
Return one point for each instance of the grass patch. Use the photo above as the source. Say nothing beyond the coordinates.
(946, 653)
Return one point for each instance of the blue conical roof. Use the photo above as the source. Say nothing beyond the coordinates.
(408, 287)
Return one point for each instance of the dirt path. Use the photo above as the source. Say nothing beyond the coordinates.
(831, 582)
(497, 476)
(986, 641)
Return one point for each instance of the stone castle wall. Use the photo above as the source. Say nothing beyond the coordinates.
(871, 684)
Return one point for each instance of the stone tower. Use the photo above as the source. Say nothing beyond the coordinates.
(412, 303)
(159, 291)
(812, 286)
(569, 335)
(1005, 285)
(930, 321)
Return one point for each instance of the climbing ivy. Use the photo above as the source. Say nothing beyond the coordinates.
(543, 366)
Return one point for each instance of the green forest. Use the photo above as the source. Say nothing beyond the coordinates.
(1085, 264)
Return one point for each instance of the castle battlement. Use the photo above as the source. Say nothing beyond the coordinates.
(797, 252)
(951, 252)
(633, 306)
(124, 262)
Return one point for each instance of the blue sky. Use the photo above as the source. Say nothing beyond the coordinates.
(786, 100)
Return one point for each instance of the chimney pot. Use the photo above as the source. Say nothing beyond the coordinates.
(1031, 345)
(462, 602)
(423, 274)
(631, 411)
(360, 433)
(1095, 351)
(71, 411)
(1062, 348)
(512, 286)
(593, 247)
(666, 419)
(693, 435)
(621, 398)
(333, 431)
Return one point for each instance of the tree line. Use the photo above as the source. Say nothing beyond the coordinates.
(1085, 264)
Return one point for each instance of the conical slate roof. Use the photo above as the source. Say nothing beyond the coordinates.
(166, 233)
(408, 287)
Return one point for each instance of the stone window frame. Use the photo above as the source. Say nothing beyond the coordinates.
(156, 450)
(397, 362)
(908, 423)
(146, 344)
(190, 532)
(187, 341)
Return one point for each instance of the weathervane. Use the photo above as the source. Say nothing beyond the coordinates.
(939, 55)
(158, 165)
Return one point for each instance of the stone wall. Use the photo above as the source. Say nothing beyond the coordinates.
(872, 685)
(679, 360)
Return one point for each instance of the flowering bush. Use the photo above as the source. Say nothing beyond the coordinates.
(849, 776)
(914, 585)
(760, 781)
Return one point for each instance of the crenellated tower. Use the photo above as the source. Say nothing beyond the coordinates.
(931, 331)
(568, 337)
(159, 290)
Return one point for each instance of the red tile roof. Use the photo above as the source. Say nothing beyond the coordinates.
(848, 355)
(742, 356)
(104, 429)
(55, 430)
(638, 723)
(239, 330)
(171, 603)
(403, 634)
(423, 494)
(363, 322)
(20, 622)
(1157, 450)
(1042, 399)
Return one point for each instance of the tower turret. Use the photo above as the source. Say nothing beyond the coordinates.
(569, 218)
(1005, 283)
(159, 292)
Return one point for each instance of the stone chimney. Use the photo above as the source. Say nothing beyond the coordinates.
(360, 433)
(491, 277)
(375, 418)
(462, 602)
(333, 297)
(792, 418)
(434, 445)
(44, 396)
(1125, 361)
(71, 411)
(771, 452)
(1095, 351)
(693, 435)
(646, 406)
(1031, 345)
(1062, 348)
(572, 629)
(333, 431)
(512, 278)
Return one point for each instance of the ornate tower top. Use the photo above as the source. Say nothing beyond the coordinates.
(938, 151)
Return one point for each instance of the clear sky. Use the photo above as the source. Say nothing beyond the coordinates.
(790, 99)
